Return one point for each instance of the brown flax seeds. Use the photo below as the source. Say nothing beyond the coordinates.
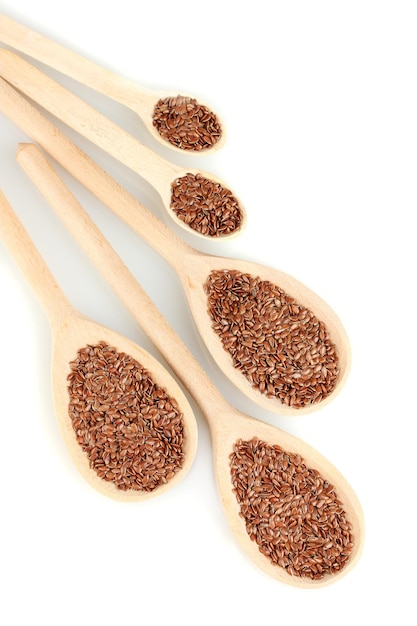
(130, 429)
(290, 511)
(280, 346)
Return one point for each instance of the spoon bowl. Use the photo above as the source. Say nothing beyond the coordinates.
(326, 513)
(234, 427)
(199, 139)
(215, 200)
(194, 275)
(71, 331)
(192, 266)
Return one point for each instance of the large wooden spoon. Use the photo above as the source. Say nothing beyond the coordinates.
(228, 426)
(193, 267)
(200, 137)
(222, 210)
(71, 332)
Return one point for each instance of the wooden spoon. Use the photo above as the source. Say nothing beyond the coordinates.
(139, 99)
(97, 128)
(227, 425)
(193, 267)
(71, 331)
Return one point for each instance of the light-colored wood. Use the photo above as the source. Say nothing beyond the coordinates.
(192, 266)
(104, 133)
(72, 331)
(120, 89)
(227, 425)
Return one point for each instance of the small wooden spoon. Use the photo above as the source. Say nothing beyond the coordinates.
(193, 267)
(139, 99)
(71, 331)
(114, 140)
(227, 425)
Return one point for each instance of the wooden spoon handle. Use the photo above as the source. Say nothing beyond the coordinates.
(75, 66)
(31, 263)
(122, 282)
(85, 170)
(84, 119)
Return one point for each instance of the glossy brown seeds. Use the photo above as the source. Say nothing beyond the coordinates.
(130, 429)
(280, 346)
(290, 510)
(186, 124)
(205, 205)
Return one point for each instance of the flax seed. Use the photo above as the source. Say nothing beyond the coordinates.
(280, 346)
(205, 205)
(186, 124)
(294, 526)
(130, 429)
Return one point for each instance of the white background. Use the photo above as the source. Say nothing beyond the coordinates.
(320, 105)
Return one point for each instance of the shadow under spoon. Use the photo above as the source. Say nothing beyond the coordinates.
(291, 510)
(220, 214)
(288, 365)
(179, 122)
(98, 373)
